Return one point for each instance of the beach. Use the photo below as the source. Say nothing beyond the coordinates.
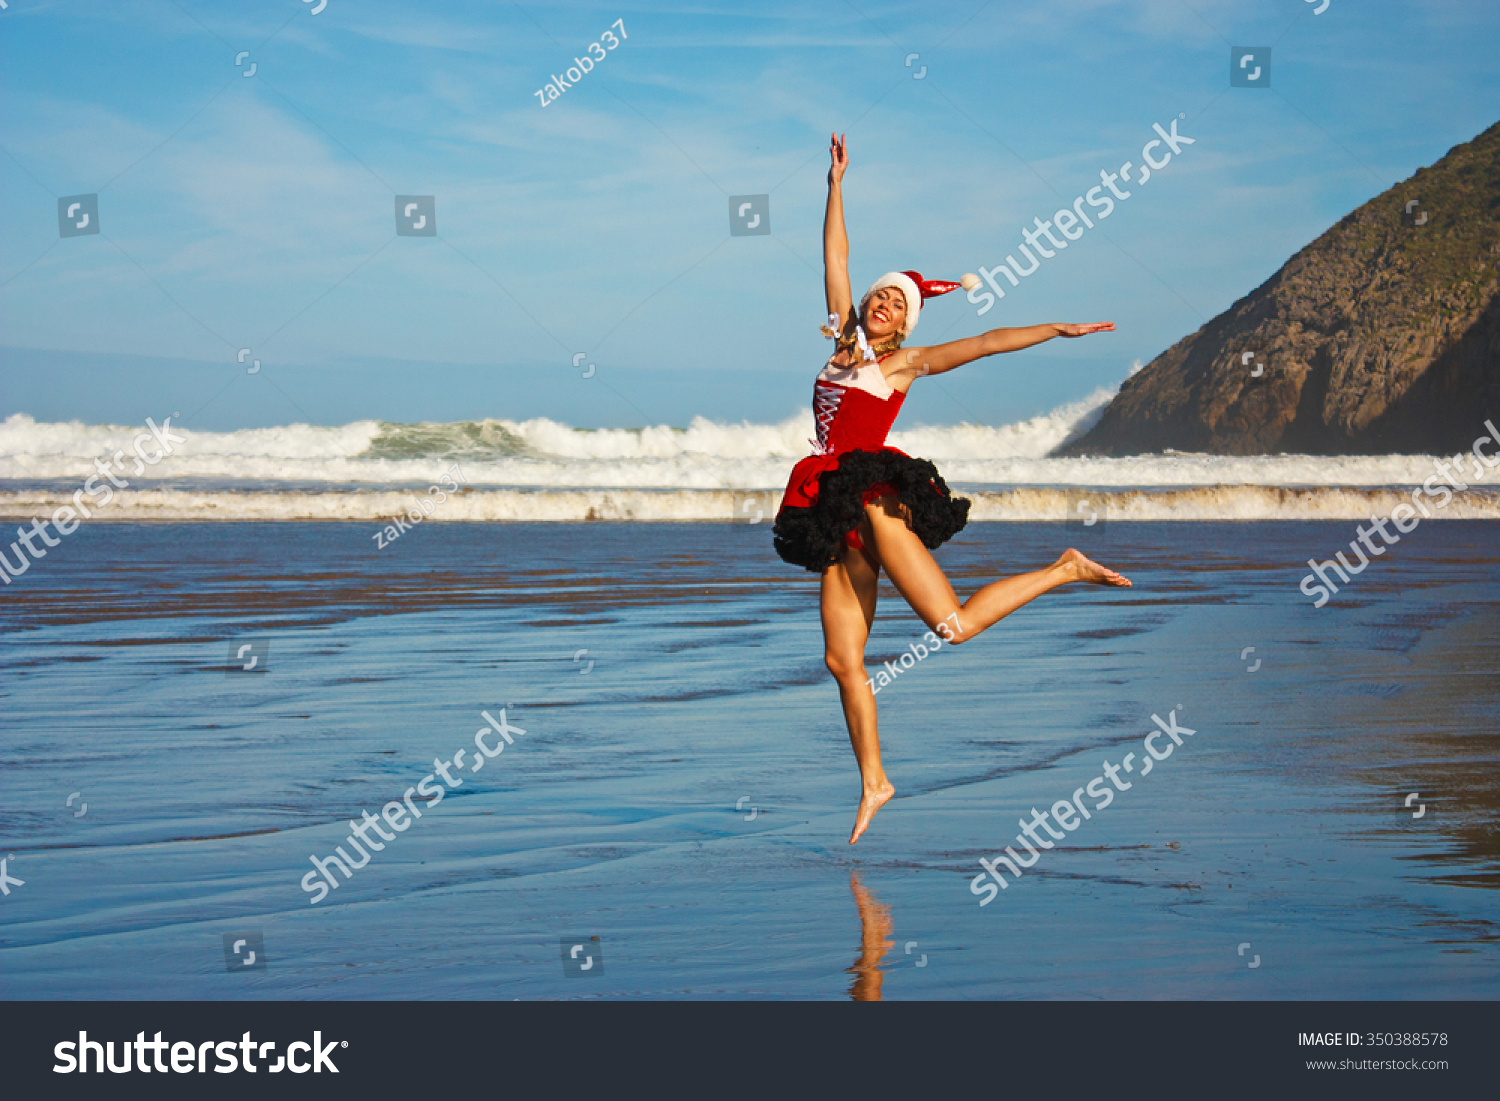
(683, 787)
(391, 608)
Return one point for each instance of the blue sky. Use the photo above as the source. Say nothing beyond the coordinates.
(259, 211)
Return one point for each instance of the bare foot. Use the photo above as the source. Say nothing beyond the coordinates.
(1081, 568)
(869, 803)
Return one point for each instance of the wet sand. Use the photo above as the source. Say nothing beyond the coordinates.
(663, 674)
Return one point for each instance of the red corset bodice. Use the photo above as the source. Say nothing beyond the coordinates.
(854, 408)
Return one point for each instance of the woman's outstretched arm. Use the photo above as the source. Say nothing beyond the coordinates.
(944, 357)
(835, 239)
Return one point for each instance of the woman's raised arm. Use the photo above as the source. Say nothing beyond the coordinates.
(835, 239)
(944, 357)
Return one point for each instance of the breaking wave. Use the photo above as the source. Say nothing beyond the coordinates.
(542, 469)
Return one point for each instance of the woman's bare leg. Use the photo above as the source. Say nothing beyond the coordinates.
(848, 609)
(919, 579)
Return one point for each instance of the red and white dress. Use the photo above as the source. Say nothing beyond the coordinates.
(824, 502)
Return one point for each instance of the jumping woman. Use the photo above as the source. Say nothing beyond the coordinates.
(856, 506)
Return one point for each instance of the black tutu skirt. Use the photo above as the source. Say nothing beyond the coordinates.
(825, 501)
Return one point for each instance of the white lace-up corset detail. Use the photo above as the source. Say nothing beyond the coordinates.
(826, 401)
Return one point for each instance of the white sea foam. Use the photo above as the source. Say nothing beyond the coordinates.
(1030, 503)
(543, 469)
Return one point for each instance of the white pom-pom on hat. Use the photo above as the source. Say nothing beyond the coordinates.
(970, 282)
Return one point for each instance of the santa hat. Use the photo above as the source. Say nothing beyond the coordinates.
(914, 288)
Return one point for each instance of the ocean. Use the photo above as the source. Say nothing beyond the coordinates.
(542, 470)
(195, 712)
(273, 637)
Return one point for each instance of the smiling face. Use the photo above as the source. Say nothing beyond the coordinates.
(885, 314)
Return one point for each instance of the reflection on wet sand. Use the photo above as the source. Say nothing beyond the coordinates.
(875, 929)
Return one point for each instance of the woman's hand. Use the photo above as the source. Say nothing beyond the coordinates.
(839, 154)
(1085, 330)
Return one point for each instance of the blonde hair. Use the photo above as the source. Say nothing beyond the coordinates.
(846, 341)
